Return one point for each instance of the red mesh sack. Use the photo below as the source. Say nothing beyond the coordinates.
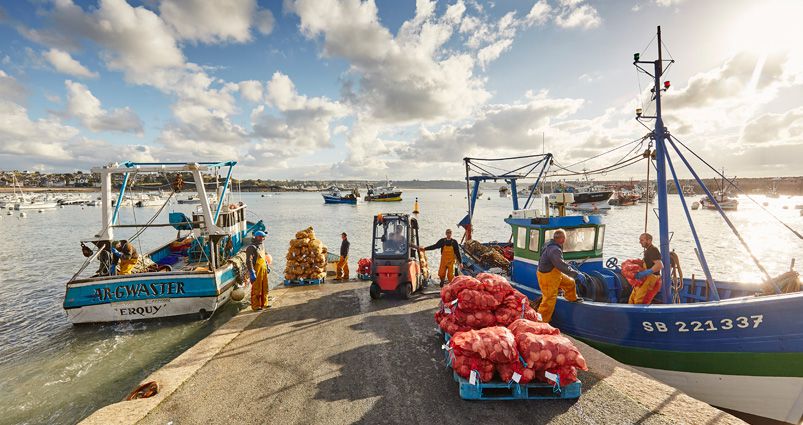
(364, 266)
(629, 270)
(515, 300)
(495, 285)
(475, 300)
(543, 352)
(450, 291)
(505, 316)
(528, 326)
(531, 314)
(506, 371)
(566, 374)
(495, 344)
(463, 365)
(450, 325)
(475, 319)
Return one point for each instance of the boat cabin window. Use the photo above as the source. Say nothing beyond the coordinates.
(391, 238)
(600, 237)
(521, 238)
(535, 242)
(579, 239)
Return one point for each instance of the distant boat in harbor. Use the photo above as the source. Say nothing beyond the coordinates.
(335, 196)
(386, 193)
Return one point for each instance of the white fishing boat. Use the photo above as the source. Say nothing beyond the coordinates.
(192, 274)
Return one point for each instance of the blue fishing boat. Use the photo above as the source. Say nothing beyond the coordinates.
(733, 345)
(192, 274)
(335, 196)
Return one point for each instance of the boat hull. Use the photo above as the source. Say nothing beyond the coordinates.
(45, 205)
(148, 296)
(703, 348)
(738, 392)
(338, 200)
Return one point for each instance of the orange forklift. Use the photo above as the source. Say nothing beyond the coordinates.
(397, 266)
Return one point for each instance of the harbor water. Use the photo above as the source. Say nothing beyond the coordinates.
(54, 372)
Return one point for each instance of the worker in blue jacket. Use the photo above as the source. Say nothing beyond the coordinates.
(554, 274)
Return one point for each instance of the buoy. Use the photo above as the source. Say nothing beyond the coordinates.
(23, 215)
(238, 293)
(765, 203)
(695, 205)
(9, 212)
(415, 207)
(40, 211)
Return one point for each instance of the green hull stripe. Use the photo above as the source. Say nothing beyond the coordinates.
(730, 363)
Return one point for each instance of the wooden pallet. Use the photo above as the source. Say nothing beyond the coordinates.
(303, 282)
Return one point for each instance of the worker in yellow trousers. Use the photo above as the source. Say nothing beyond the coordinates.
(651, 274)
(343, 263)
(450, 254)
(554, 274)
(258, 269)
(125, 257)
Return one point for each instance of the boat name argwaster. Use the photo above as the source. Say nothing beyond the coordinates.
(137, 290)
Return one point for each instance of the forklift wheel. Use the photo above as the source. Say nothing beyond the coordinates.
(374, 291)
(405, 290)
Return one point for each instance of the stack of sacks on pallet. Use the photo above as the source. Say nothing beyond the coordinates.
(305, 257)
(476, 303)
(486, 316)
(544, 354)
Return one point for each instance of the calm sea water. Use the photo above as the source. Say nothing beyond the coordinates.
(53, 372)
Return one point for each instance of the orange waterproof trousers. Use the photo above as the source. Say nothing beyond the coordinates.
(446, 268)
(259, 287)
(639, 294)
(342, 268)
(550, 283)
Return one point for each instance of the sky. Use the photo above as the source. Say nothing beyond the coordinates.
(320, 89)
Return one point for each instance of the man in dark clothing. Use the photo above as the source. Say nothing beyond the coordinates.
(650, 276)
(343, 263)
(450, 253)
(554, 274)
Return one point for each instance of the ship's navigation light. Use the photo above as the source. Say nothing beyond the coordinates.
(638, 112)
(666, 84)
(636, 57)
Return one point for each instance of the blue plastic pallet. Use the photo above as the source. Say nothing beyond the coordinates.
(513, 391)
(302, 282)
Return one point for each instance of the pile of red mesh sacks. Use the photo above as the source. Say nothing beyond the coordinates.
(476, 303)
(364, 266)
(629, 270)
(522, 352)
(494, 330)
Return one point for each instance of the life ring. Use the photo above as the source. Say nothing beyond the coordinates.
(146, 390)
(232, 206)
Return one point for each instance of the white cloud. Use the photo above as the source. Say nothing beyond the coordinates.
(772, 129)
(65, 64)
(216, 21)
(409, 77)
(498, 127)
(11, 89)
(539, 13)
(667, 3)
(251, 90)
(492, 52)
(302, 124)
(44, 138)
(84, 106)
(575, 14)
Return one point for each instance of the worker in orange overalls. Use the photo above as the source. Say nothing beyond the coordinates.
(258, 269)
(450, 254)
(343, 263)
(651, 275)
(554, 274)
(125, 257)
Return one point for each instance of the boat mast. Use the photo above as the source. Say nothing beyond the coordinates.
(660, 153)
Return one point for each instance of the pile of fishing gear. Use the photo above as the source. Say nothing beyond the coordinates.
(488, 257)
